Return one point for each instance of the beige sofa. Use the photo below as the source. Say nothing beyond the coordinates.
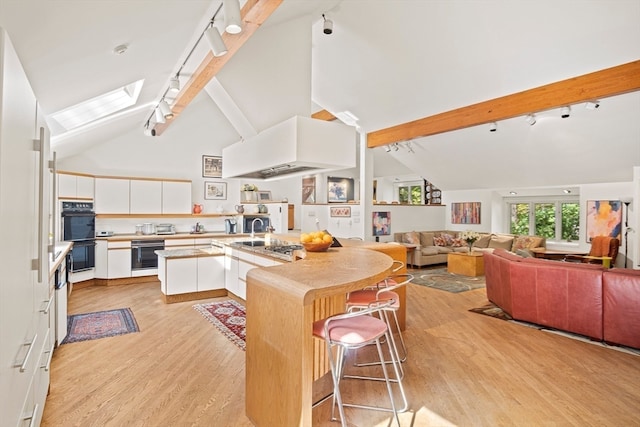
(433, 247)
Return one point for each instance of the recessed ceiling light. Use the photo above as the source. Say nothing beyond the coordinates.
(120, 49)
(565, 191)
(513, 193)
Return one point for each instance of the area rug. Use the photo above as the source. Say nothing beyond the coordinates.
(229, 317)
(490, 309)
(439, 278)
(100, 324)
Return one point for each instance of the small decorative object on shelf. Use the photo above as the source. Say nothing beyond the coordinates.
(470, 237)
(249, 193)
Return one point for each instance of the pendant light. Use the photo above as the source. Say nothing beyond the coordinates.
(232, 19)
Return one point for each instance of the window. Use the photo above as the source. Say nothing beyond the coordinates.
(552, 219)
(410, 193)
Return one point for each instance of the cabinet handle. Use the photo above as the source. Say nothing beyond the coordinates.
(48, 307)
(39, 146)
(47, 365)
(33, 416)
(23, 365)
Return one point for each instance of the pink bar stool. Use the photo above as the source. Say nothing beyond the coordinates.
(352, 331)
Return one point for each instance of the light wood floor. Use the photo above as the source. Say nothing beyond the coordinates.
(464, 369)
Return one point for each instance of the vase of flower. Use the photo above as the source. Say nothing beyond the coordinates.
(470, 237)
(249, 193)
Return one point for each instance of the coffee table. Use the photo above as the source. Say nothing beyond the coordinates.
(465, 263)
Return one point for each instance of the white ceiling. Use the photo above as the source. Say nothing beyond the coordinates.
(388, 62)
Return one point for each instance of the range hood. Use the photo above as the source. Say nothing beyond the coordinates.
(296, 146)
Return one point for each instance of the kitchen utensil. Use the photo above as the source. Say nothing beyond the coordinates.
(139, 229)
(239, 209)
(148, 228)
(230, 226)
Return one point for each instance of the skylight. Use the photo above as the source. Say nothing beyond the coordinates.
(98, 107)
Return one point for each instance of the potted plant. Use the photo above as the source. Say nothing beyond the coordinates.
(249, 193)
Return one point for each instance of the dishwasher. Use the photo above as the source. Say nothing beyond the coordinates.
(144, 260)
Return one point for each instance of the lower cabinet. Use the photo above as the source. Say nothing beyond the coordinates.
(113, 259)
(192, 274)
(245, 261)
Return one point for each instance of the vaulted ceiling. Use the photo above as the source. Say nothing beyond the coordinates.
(387, 62)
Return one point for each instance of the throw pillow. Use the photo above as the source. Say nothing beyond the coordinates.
(412, 238)
(458, 242)
(524, 253)
(426, 239)
(448, 238)
(501, 242)
(526, 242)
(482, 242)
(439, 241)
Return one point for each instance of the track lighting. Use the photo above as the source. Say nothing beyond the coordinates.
(396, 147)
(148, 131)
(232, 19)
(592, 105)
(565, 112)
(387, 148)
(165, 109)
(174, 84)
(531, 119)
(493, 127)
(328, 25)
(215, 41)
(159, 116)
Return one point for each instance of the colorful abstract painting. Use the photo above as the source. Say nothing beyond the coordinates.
(604, 218)
(465, 213)
(381, 223)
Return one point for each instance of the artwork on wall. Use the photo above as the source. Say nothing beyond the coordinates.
(604, 218)
(215, 190)
(381, 223)
(211, 166)
(309, 190)
(340, 190)
(465, 213)
(340, 211)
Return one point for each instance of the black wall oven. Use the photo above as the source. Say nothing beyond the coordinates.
(79, 227)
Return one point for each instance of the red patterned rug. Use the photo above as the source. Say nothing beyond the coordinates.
(229, 317)
(100, 324)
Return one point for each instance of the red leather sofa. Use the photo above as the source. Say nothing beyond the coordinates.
(581, 298)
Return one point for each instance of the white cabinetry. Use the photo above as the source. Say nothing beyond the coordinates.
(24, 289)
(231, 270)
(191, 274)
(237, 264)
(176, 197)
(71, 186)
(111, 196)
(145, 197)
(118, 260)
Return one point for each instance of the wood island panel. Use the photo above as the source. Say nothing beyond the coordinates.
(282, 303)
(466, 264)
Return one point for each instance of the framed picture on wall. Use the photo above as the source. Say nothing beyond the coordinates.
(211, 166)
(340, 190)
(381, 223)
(309, 190)
(215, 190)
(340, 211)
(604, 218)
(465, 213)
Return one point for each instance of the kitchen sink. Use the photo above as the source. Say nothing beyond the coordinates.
(253, 243)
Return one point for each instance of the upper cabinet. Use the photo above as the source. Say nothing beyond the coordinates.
(145, 197)
(176, 197)
(111, 196)
(72, 186)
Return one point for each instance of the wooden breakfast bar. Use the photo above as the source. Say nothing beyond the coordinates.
(282, 358)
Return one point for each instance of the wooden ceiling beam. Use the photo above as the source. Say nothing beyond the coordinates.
(254, 13)
(323, 115)
(588, 87)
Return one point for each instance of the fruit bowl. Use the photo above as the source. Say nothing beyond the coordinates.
(316, 247)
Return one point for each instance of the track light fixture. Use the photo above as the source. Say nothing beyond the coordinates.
(164, 108)
(328, 25)
(232, 18)
(396, 147)
(592, 105)
(565, 112)
(531, 119)
(493, 127)
(215, 41)
(149, 132)
(174, 84)
(159, 116)
(387, 148)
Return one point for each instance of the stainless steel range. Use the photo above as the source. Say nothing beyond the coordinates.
(276, 248)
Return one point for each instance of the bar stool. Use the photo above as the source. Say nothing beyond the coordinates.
(352, 331)
(384, 290)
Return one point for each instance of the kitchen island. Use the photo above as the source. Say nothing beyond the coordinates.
(282, 303)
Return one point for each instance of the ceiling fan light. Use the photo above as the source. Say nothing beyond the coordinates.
(215, 41)
(232, 18)
(165, 109)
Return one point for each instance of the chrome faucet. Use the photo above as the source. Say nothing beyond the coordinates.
(253, 224)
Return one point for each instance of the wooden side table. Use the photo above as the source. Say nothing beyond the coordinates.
(411, 248)
(466, 264)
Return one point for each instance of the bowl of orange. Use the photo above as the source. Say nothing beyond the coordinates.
(316, 241)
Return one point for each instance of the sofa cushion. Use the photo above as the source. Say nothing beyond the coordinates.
(426, 239)
(525, 242)
(502, 242)
(444, 250)
(448, 238)
(411, 237)
(482, 242)
(524, 253)
(458, 242)
(429, 250)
